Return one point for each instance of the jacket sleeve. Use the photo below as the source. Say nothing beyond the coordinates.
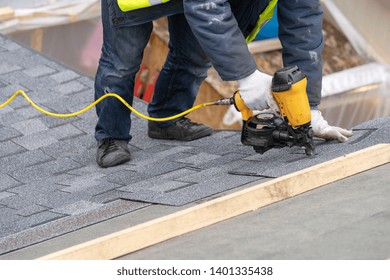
(217, 31)
(300, 32)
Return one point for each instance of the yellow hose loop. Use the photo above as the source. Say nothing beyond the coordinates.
(56, 115)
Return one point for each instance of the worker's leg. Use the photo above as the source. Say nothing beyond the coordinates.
(182, 74)
(120, 60)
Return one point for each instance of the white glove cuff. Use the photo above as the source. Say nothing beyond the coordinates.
(319, 124)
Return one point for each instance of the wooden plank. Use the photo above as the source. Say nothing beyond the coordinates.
(211, 212)
(6, 13)
(36, 40)
(264, 46)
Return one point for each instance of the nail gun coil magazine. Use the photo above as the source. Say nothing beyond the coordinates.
(265, 131)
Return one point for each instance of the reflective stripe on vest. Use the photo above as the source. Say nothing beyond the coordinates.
(130, 5)
(265, 17)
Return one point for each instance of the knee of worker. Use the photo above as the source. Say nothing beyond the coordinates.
(112, 82)
(119, 66)
(115, 74)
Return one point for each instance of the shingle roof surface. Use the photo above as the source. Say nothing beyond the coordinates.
(50, 184)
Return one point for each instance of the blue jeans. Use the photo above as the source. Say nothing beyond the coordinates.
(125, 36)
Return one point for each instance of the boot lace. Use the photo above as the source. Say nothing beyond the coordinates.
(185, 122)
(108, 146)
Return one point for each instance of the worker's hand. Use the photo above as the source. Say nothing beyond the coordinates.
(255, 91)
(323, 130)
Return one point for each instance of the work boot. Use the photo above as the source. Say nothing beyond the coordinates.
(112, 152)
(182, 130)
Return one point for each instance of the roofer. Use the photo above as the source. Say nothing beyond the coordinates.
(203, 33)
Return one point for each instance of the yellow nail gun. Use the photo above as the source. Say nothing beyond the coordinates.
(267, 130)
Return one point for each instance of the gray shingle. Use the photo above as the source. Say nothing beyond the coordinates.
(19, 161)
(192, 192)
(21, 114)
(77, 207)
(28, 127)
(158, 168)
(84, 126)
(70, 87)
(34, 141)
(64, 132)
(64, 76)
(199, 158)
(31, 210)
(222, 160)
(4, 112)
(8, 215)
(4, 195)
(41, 218)
(177, 174)
(50, 200)
(7, 182)
(107, 197)
(24, 236)
(8, 68)
(154, 185)
(100, 188)
(39, 70)
(11, 45)
(80, 183)
(9, 148)
(125, 177)
(45, 169)
(13, 201)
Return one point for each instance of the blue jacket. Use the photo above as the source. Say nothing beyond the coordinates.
(214, 23)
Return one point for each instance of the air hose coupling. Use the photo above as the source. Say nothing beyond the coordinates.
(224, 101)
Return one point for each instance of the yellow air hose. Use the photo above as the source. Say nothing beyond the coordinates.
(225, 101)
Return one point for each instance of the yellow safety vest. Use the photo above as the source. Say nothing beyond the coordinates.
(265, 16)
(130, 5)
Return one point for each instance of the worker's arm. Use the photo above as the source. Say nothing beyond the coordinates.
(216, 29)
(300, 32)
(221, 36)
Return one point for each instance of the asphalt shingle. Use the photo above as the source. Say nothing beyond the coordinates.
(9, 148)
(7, 182)
(50, 184)
(7, 133)
(38, 71)
(64, 76)
(31, 126)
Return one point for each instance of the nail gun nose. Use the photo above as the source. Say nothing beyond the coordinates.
(224, 101)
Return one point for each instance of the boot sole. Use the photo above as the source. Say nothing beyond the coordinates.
(117, 161)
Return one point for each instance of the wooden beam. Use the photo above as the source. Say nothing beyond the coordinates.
(264, 46)
(36, 40)
(6, 13)
(202, 215)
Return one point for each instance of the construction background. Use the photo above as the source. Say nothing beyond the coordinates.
(356, 94)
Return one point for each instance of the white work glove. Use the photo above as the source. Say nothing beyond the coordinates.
(255, 91)
(322, 129)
